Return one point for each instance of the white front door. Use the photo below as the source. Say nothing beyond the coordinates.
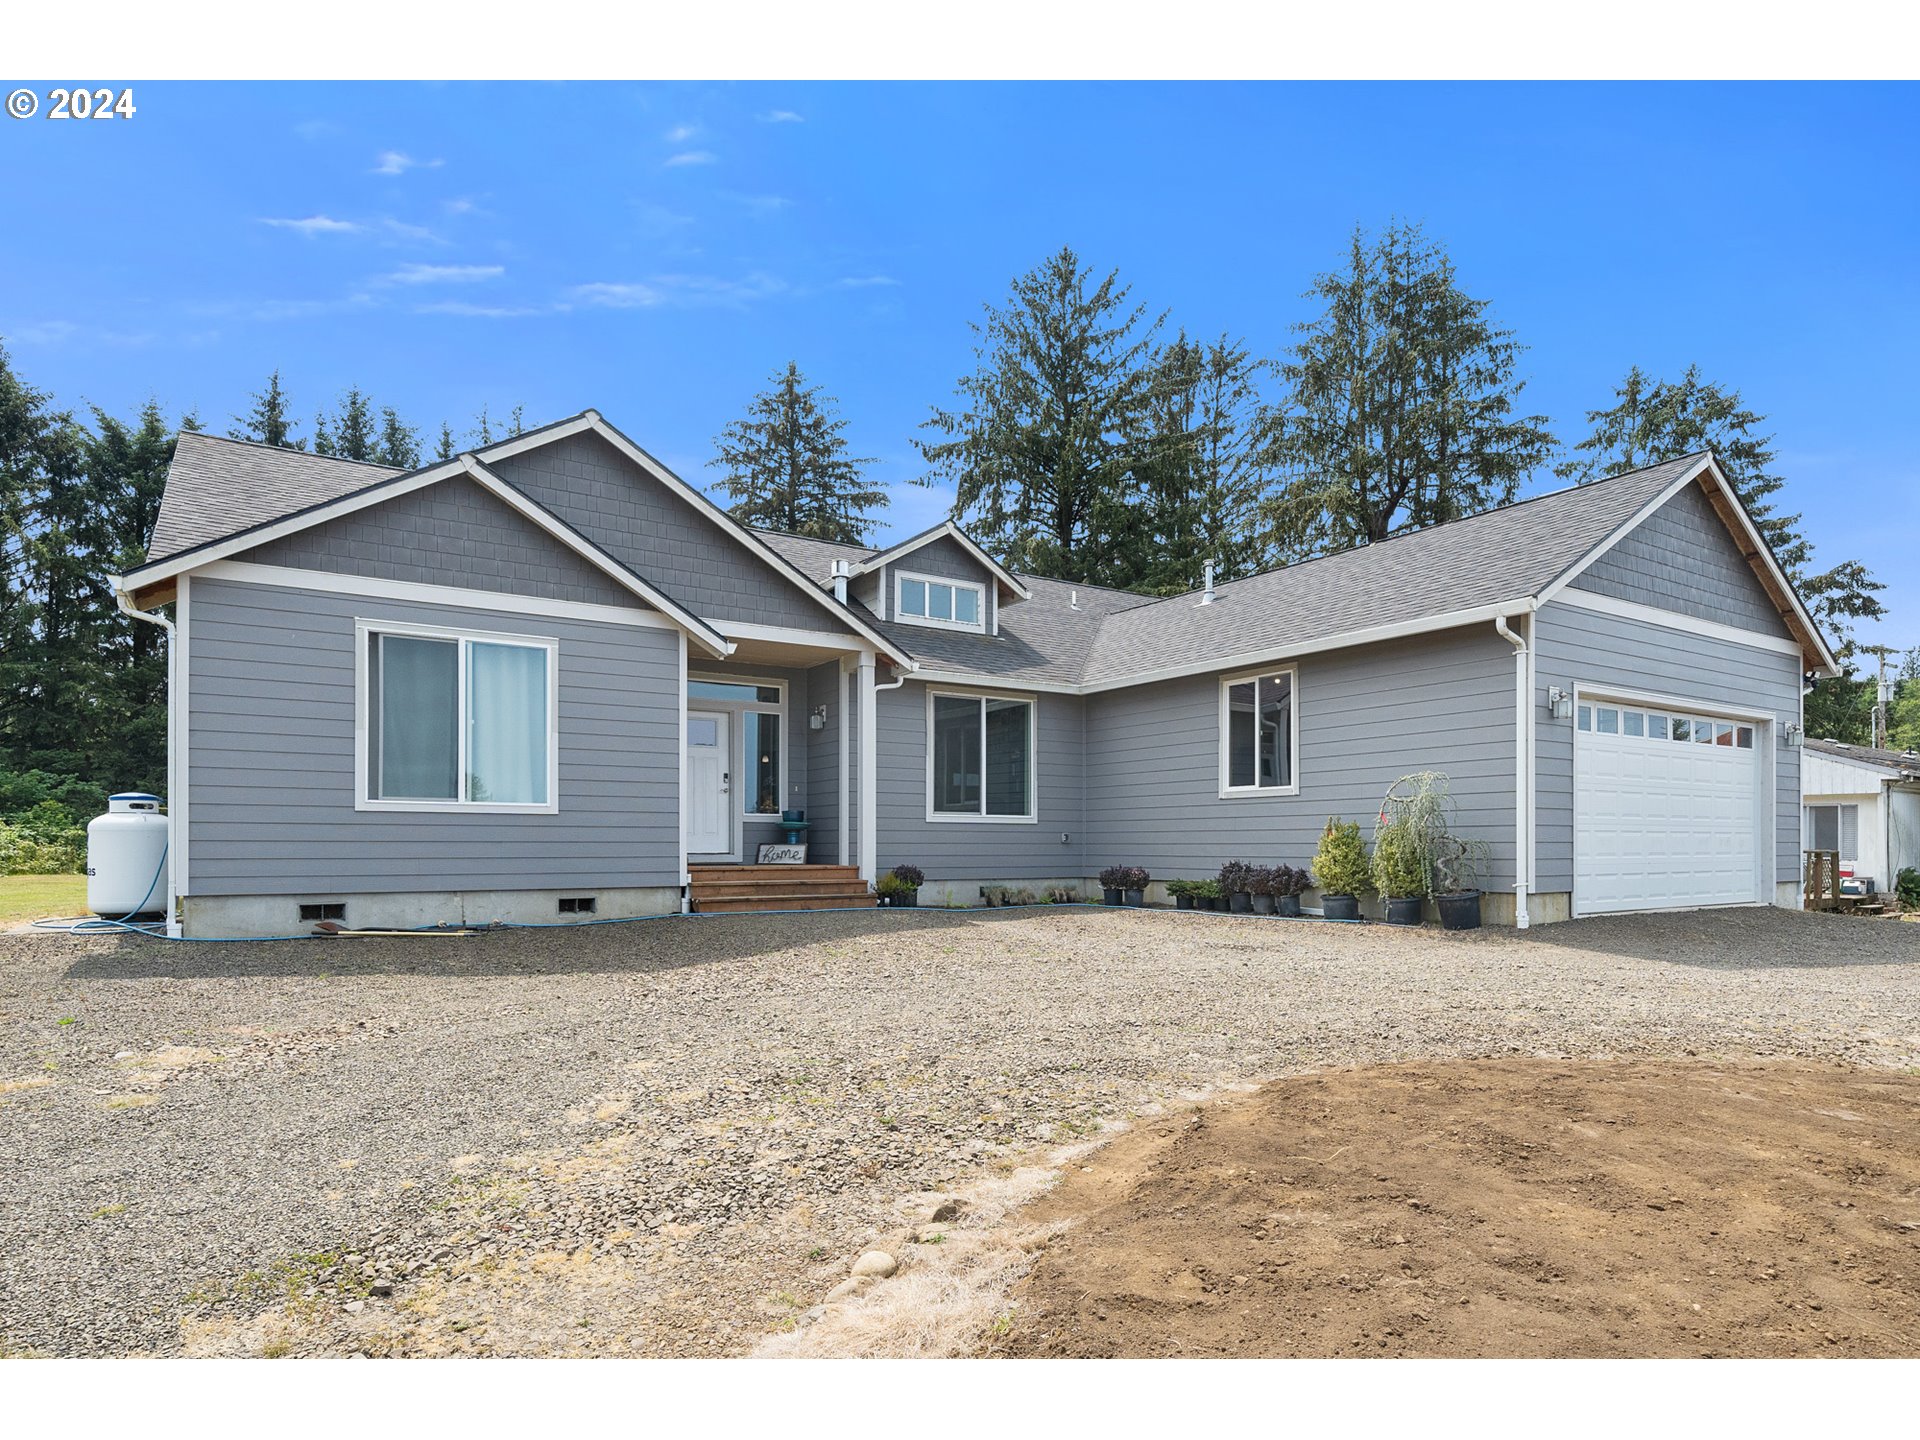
(708, 808)
(1667, 809)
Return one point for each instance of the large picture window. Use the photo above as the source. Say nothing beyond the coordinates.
(1259, 733)
(979, 758)
(927, 600)
(456, 720)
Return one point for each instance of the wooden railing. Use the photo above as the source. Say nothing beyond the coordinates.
(1823, 880)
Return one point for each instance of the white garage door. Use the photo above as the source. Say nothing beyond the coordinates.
(1666, 808)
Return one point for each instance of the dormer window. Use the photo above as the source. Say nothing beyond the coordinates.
(930, 600)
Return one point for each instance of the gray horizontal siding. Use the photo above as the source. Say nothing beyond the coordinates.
(1576, 646)
(823, 762)
(984, 850)
(271, 787)
(1682, 558)
(452, 533)
(636, 519)
(1367, 717)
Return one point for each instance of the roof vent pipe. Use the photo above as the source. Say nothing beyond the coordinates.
(1206, 595)
(1073, 599)
(840, 581)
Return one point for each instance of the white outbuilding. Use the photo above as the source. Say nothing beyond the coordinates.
(1865, 803)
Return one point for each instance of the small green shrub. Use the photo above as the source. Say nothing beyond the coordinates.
(1399, 862)
(42, 841)
(891, 886)
(1341, 861)
(1907, 886)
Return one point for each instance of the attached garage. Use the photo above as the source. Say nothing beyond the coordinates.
(1672, 806)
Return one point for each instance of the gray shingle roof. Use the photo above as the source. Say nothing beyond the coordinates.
(1066, 634)
(218, 487)
(1894, 762)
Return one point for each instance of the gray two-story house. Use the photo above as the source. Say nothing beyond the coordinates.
(548, 679)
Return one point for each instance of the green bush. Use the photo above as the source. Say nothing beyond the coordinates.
(1907, 886)
(1400, 862)
(1341, 861)
(44, 841)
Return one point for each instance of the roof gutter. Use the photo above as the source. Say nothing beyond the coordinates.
(1522, 749)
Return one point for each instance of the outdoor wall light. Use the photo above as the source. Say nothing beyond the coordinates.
(1791, 735)
(817, 718)
(1559, 703)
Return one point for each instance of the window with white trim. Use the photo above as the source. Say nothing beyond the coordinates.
(1259, 734)
(458, 719)
(980, 757)
(1835, 827)
(762, 707)
(930, 600)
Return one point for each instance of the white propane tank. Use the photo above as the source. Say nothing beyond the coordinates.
(126, 848)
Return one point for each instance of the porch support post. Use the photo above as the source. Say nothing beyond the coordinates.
(869, 783)
(843, 722)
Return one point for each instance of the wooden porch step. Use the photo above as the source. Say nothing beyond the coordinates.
(722, 872)
(810, 885)
(713, 904)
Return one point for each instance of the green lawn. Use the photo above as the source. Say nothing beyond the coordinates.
(36, 897)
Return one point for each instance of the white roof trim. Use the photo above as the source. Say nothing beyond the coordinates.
(1709, 467)
(710, 639)
(944, 531)
(593, 420)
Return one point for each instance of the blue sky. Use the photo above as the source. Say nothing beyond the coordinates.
(656, 250)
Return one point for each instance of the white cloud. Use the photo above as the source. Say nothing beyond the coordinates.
(396, 162)
(865, 282)
(693, 157)
(401, 230)
(479, 312)
(782, 117)
(762, 204)
(317, 225)
(680, 134)
(444, 274)
(461, 206)
(617, 295)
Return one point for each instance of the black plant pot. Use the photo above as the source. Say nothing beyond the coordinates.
(1240, 902)
(1136, 897)
(1340, 907)
(1459, 912)
(1287, 905)
(1404, 911)
(1110, 895)
(911, 900)
(1183, 902)
(1263, 904)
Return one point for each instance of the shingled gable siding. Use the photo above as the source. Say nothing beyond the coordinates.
(452, 533)
(1681, 558)
(1367, 716)
(946, 558)
(272, 764)
(949, 850)
(1583, 647)
(637, 520)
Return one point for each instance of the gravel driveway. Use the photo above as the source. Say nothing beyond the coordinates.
(671, 1137)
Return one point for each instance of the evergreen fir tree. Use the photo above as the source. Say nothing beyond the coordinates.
(399, 442)
(269, 422)
(787, 468)
(445, 449)
(1048, 428)
(353, 433)
(1402, 403)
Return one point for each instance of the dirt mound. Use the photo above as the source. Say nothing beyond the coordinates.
(1510, 1208)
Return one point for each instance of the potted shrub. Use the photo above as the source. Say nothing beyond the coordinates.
(1135, 886)
(1341, 864)
(1206, 894)
(893, 891)
(1260, 888)
(1233, 886)
(1289, 884)
(1182, 893)
(1456, 873)
(1399, 871)
(1113, 883)
(911, 878)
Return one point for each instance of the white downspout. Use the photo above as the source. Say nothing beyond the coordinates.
(174, 779)
(870, 763)
(1522, 713)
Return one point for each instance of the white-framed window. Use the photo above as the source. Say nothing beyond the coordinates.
(1835, 827)
(762, 708)
(455, 720)
(1260, 733)
(930, 600)
(981, 757)
(1658, 725)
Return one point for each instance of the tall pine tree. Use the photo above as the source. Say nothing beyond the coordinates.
(787, 468)
(269, 422)
(353, 433)
(1049, 427)
(1403, 402)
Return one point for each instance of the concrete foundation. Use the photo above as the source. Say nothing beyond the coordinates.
(256, 916)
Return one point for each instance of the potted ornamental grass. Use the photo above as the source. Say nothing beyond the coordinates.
(1341, 865)
(1289, 883)
(1260, 888)
(1235, 882)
